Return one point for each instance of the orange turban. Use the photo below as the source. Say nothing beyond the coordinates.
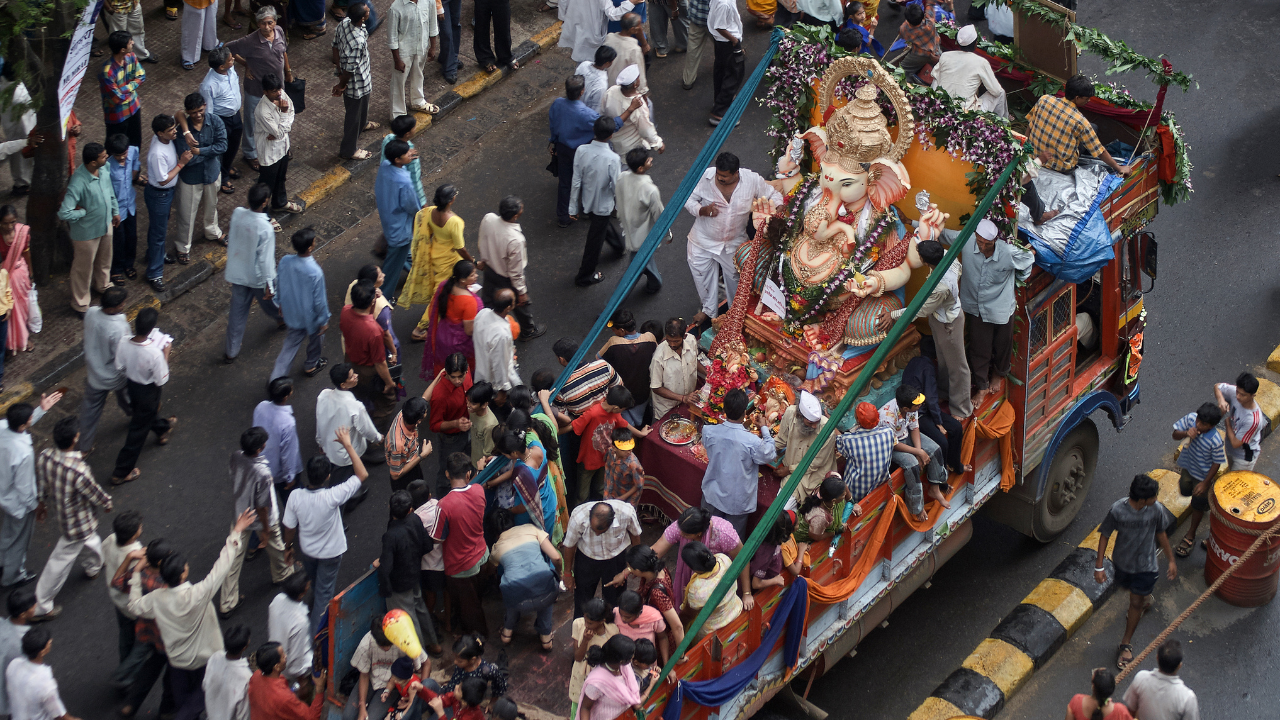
(867, 414)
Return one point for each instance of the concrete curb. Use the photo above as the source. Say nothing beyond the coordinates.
(71, 358)
(1054, 611)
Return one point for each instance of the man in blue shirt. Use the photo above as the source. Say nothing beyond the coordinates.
(734, 455)
(204, 134)
(221, 89)
(251, 266)
(572, 126)
(124, 166)
(300, 284)
(398, 205)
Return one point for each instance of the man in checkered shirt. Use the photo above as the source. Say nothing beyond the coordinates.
(351, 55)
(867, 450)
(66, 482)
(1058, 130)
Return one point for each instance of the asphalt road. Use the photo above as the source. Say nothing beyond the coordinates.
(1211, 315)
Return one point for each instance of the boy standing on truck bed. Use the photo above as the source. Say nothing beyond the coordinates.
(1140, 522)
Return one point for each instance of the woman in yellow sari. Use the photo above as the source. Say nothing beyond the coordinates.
(437, 246)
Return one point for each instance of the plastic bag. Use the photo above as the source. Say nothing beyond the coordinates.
(35, 321)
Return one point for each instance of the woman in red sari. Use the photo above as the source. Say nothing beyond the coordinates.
(15, 248)
(453, 310)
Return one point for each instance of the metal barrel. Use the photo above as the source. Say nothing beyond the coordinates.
(1242, 506)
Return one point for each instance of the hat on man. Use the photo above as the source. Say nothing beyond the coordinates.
(867, 414)
(810, 408)
(967, 35)
(987, 229)
(629, 74)
(402, 668)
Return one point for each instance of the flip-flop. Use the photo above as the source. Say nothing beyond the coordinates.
(232, 24)
(1185, 548)
(133, 475)
(371, 125)
(171, 13)
(227, 188)
(361, 155)
(233, 173)
(314, 33)
(253, 164)
(1121, 663)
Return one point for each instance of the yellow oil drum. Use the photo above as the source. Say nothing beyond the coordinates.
(1245, 505)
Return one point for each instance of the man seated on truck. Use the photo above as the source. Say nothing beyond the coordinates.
(867, 450)
(915, 453)
(964, 74)
(1058, 129)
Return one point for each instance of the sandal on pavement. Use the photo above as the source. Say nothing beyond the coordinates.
(338, 12)
(361, 155)
(418, 335)
(233, 173)
(164, 439)
(292, 207)
(118, 279)
(371, 125)
(227, 188)
(1185, 547)
(320, 365)
(253, 164)
(506, 636)
(314, 33)
(427, 108)
(275, 225)
(133, 475)
(188, 66)
(1121, 661)
(184, 259)
(513, 65)
(170, 13)
(232, 24)
(547, 645)
(490, 68)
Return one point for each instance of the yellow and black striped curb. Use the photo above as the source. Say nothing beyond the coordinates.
(1058, 607)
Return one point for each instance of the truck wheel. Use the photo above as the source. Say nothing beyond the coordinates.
(1068, 482)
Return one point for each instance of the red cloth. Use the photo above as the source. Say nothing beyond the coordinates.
(1119, 710)
(460, 711)
(585, 426)
(449, 402)
(460, 526)
(362, 337)
(271, 699)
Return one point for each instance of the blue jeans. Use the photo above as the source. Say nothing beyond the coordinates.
(393, 267)
(247, 146)
(324, 584)
(451, 36)
(542, 621)
(242, 298)
(292, 341)
(159, 201)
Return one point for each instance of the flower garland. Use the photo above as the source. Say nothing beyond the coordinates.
(866, 249)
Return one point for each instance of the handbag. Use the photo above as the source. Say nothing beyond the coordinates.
(296, 89)
(553, 167)
(35, 321)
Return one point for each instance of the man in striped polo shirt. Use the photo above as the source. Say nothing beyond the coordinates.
(1204, 453)
(585, 387)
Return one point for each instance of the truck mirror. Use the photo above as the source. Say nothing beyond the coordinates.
(1147, 250)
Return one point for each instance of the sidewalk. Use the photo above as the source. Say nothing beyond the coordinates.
(315, 172)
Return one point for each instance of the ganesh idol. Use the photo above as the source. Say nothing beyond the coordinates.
(838, 248)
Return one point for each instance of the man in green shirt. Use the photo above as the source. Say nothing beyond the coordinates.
(91, 210)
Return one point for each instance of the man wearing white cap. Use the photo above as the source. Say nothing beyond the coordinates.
(991, 267)
(638, 130)
(962, 72)
(796, 432)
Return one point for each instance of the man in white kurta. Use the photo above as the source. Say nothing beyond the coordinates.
(412, 36)
(596, 73)
(639, 203)
(626, 42)
(638, 131)
(586, 22)
(961, 72)
(17, 125)
(494, 345)
(721, 203)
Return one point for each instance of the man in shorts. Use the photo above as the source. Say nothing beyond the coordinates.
(1140, 523)
(1199, 461)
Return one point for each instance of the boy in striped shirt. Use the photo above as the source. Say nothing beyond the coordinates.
(1204, 453)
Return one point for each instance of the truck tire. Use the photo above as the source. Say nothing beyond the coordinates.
(1068, 481)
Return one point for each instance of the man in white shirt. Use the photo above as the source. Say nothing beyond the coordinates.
(126, 538)
(503, 257)
(18, 487)
(144, 358)
(226, 678)
(185, 615)
(638, 130)
(630, 46)
(673, 371)
(337, 407)
(586, 22)
(313, 520)
(595, 172)
(596, 73)
(495, 349)
(721, 202)
(288, 624)
(724, 24)
(412, 36)
(104, 327)
(251, 266)
(33, 693)
(639, 206)
(946, 322)
(1160, 694)
(163, 165)
(961, 72)
(22, 607)
(272, 123)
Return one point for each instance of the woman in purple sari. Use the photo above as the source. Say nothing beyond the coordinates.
(453, 311)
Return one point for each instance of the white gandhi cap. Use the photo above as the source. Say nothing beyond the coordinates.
(629, 74)
(987, 229)
(809, 407)
(967, 35)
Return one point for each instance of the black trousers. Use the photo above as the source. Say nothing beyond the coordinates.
(603, 229)
(235, 132)
(357, 115)
(950, 443)
(144, 400)
(588, 573)
(130, 128)
(499, 12)
(274, 177)
(124, 244)
(564, 155)
(155, 667)
(989, 349)
(494, 282)
(188, 692)
(726, 76)
(466, 600)
(1031, 198)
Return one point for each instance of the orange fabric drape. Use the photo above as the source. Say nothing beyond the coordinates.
(999, 426)
(845, 587)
